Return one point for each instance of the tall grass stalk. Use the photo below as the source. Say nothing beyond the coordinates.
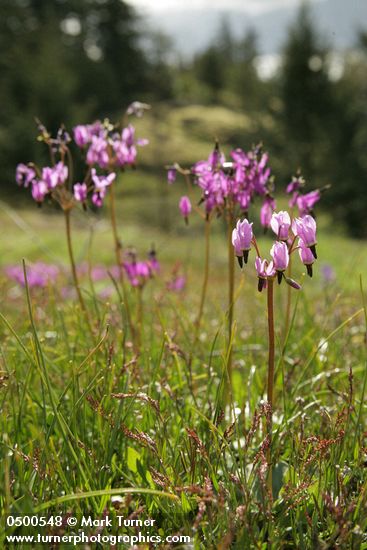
(119, 259)
(231, 259)
(205, 280)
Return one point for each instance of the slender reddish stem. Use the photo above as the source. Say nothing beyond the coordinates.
(270, 389)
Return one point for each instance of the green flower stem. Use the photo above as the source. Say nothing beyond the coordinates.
(73, 267)
(118, 255)
(231, 259)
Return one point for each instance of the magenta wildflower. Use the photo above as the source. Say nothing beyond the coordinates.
(100, 185)
(171, 175)
(185, 207)
(305, 203)
(279, 253)
(296, 183)
(98, 197)
(24, 175)
(241, 240)
(266, 211)
(305, 229)
(124, 146)
(307, 257)
(98, 152)
(39, 274)
(39, 190)
(101, 182)
(280, 223)
(264, 270)
(80, 192)
(139, 272)
(177, 284)
(82, 135)
(55, 175)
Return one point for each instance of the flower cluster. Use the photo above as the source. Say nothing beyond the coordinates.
(230, 184)
(42, 182)
(286, 232)
(305, 202)
(39, 274)
(107, 148)
(139, 272)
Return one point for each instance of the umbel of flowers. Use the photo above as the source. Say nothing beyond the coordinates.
(299, 234)
(106, 148)
(228, 186)
(228, 189)
(294, 235)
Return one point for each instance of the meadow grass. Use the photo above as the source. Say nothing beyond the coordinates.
(91, 423)
(85, 416)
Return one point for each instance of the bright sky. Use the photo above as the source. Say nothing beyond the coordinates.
(250, 6)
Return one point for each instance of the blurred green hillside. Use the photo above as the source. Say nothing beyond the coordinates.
(71, 61)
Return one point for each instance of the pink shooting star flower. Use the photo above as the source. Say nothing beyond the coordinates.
(24, 175)
(39, 274)
(101, 182)
(266, 212)
(171, 175)
(177, 284)
(138, 273)
(305, 203)
(307, 257)
(39, 190)
(280, 223)
(100, 186)
(98, 152)
(55, 175)
(279, 253)
(297, 183)
(124, 146)
(241, 240)
(80, 192)
(264, 270)
(185, 208)
(82, 135)
(98, 197)
(305, 229)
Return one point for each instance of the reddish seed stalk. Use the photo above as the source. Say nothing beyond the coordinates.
(118, 255)
(73, 267)
(270, 389)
